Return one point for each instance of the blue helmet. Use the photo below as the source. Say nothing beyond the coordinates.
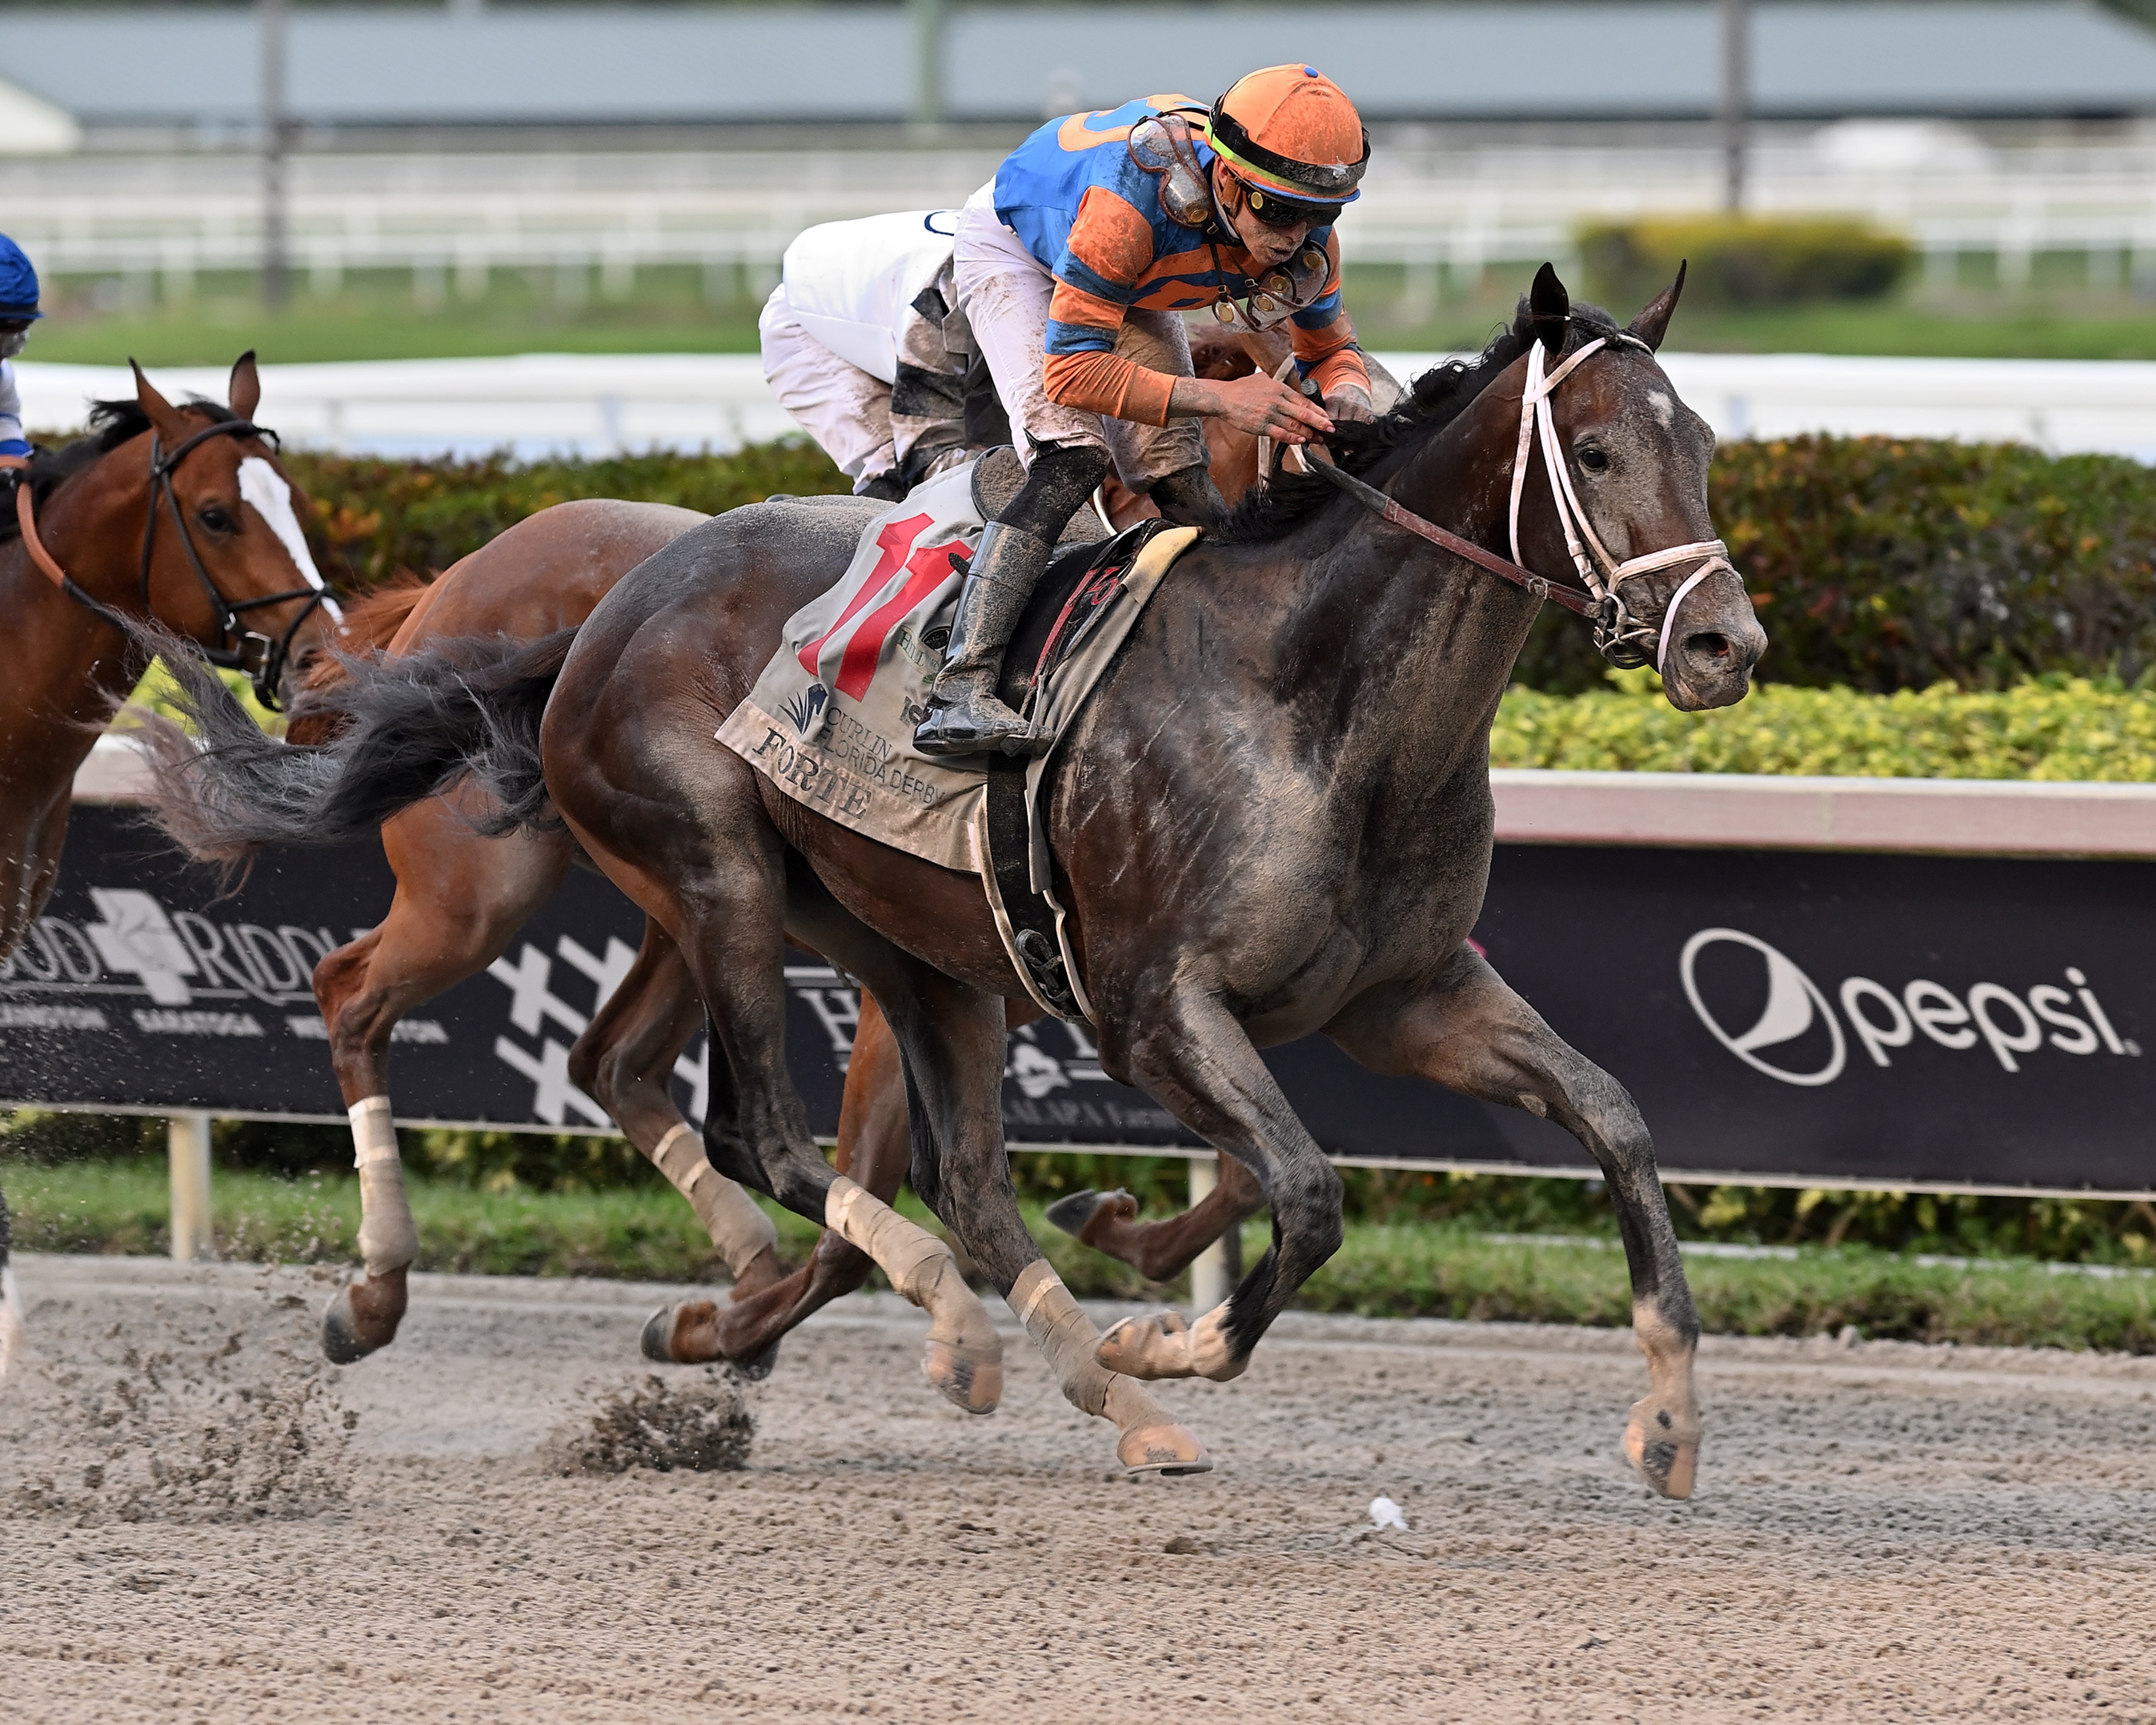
(18, 283)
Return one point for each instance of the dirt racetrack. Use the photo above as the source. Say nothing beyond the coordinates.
(189, 1531)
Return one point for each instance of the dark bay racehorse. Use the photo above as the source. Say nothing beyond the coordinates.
(462, 894)
(180, 514)
(1273, 818)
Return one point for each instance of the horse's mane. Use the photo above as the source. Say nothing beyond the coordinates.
(110, 424)
(1431, 402)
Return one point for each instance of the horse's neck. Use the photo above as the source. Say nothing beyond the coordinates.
(67, 668)
(1428, 640)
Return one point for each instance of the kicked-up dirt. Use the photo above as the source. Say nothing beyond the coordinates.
(503, 1518)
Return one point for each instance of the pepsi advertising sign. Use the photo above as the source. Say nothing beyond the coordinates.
(1779, 1015)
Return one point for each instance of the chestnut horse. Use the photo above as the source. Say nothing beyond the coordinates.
(1273, 818)
(182, 514)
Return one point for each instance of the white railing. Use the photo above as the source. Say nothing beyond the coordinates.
(595, 404)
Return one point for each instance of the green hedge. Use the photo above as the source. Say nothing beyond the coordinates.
(2055, 728)
(1743, 261)
(1884, 563)
(1876, 563)
(375, 518)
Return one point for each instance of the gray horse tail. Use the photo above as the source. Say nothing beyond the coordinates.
(399, 731)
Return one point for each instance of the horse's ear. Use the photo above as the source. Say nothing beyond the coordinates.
(1549, 308)
(1653, 322)
(165, 418)
(245, 393)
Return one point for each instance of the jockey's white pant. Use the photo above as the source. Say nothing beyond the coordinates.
(847, 411)
(1004, 292)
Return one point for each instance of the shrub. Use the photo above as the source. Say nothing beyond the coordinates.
(1879, 563)
(1891, 563)
(374, 517)
(2057, 728)
(1743, 261)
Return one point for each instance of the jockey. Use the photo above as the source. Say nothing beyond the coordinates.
(1074, 267)
(863, 346)
(18, 310)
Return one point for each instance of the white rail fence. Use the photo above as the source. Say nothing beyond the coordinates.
(592, 404)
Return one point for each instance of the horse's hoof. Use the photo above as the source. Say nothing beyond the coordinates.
(361, 1317)
(1072, 1212)
(1666, 1459)
(1163, 1447)
(757, 1367)
(656, 1342)
(1155, 1346)
(967, 1378)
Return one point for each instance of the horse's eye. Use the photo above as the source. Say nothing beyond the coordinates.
(1593, 460)
(216, 517)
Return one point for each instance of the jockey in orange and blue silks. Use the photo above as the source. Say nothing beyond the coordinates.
(1073, 267)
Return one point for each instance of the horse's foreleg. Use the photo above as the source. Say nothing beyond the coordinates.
(1162, 1250)
(1192, 1058)
(1472, 1033)
(874, 1149)
(954, 1040)
(460, 898)
(625, 1061)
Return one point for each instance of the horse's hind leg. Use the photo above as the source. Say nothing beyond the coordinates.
(874, 1148)
(1162, 1250)
(625, 1061)
(716, 879)
(953, 1040)
(459, 899)
(1472, 1033)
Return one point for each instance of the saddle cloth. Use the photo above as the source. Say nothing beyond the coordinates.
(830, 721)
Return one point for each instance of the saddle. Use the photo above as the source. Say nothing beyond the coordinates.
(1080, 591)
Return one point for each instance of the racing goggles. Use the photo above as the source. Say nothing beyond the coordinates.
(1274, 211)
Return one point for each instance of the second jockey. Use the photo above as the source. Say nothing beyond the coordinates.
(18, 310)
(1073, 267)
(863, 346)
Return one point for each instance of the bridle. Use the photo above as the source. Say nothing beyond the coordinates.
(1619, 636)
(263, 657)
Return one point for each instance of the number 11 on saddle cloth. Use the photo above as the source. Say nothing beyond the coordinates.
(831, 722)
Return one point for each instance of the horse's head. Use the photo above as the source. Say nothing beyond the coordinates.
(224, 559)
(1632, 485)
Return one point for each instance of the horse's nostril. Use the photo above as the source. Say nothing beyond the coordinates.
(1709, 643)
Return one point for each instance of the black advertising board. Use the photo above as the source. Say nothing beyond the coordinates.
(1819, 1017)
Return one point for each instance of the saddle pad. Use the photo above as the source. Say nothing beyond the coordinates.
(830, 721)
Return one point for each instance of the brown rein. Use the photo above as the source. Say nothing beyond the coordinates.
(1377, 502)
(26, 518)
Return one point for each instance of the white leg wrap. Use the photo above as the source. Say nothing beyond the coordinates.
(388, 1239)
(11, 1321)
(919, 1265)
(1067, 1337)
(740, 1230)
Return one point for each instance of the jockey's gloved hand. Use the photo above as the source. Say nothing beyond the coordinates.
(1350, 404)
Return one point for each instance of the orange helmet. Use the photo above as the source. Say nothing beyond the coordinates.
(1291, 131)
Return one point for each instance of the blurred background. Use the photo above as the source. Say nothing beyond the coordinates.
(340, 181)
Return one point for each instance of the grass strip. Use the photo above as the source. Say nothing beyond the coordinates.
(1413, 1271)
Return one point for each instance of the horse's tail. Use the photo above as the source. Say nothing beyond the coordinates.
(370, 623)
(400, 730)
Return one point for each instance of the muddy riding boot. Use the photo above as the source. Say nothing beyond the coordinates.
(964, 715)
